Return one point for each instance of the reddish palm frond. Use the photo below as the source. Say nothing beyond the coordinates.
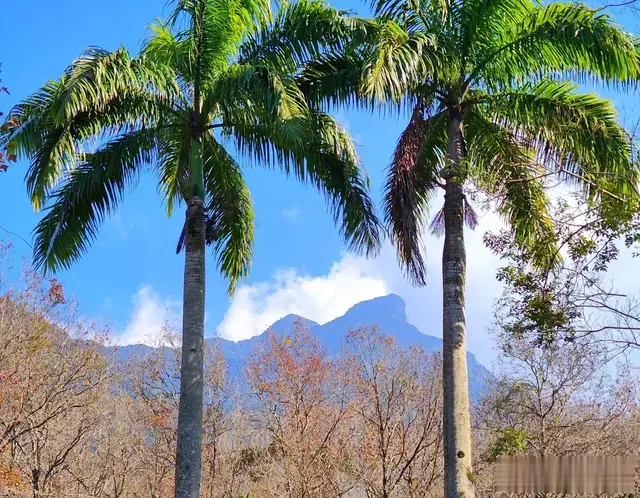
(410, 181)
(469, 214)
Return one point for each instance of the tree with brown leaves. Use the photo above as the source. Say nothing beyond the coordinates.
(301, 408)
(396, 422)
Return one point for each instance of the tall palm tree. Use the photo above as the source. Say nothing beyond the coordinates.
(217, 74)
(488, 85)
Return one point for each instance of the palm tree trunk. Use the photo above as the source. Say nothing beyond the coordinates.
(189, 444)
(456, 416)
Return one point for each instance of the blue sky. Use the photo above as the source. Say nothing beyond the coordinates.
(131, 275)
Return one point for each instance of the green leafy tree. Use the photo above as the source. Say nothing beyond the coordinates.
(493, 107)
(573, 300)
(217, 80)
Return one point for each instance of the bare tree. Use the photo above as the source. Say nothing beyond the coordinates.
(107, 465)
(301, 406)
(562, 400)
(51, 378)
(397, 415)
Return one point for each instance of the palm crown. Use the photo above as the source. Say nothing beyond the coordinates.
(504, 68)
(223, 59)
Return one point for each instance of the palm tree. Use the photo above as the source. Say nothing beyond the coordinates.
(217, 78)
(488, 85)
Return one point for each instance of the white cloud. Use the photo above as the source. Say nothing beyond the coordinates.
(291, 213)
(354, 279)
(320, 298)
(350, 280)
(149, 318)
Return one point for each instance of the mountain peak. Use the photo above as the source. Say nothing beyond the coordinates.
(390, 306)
(285, 324)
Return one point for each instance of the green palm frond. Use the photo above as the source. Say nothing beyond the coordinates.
(172, 165)
(567, 38)
(382, 71)
(496, 64)
(142, 111)
(411, 184)
(314, 148)
(397, 62)
(230, 210)
(244, 86)
(576, 135)
(303, 31)
(164, 48)
(213, 30)
(336, 79)
(99, 95)
(98, 77)
(506, 166)
(431, 12)
(90, 192)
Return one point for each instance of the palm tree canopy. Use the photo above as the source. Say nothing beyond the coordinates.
(139, 109)
(510, 70)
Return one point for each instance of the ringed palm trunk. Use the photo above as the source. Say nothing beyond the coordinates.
(189, 444)
(456, 416)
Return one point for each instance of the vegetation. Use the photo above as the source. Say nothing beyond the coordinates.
(77, 419)
(211, 75)
(573, 300)
(496, 116)
(495, 109)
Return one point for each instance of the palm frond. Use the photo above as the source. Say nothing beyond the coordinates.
(411, 184)
(86, 196)
(505, 166)
(302, 31)
(98, 77)
(314, 148)
(437, 225)
(243, 86)
(101, 94)
(567, 38)
(470, 218)
(229, 211)
(576, 136)
(397, 61)
(163, 47)
(432, 13)
(335, 79)
(213, 31)
(172, 165)
(384, 70)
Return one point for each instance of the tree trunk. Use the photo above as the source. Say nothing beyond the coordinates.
(35, 479)
(456, 417)
(189, 444)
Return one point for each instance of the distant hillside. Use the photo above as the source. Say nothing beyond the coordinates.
(387, 313)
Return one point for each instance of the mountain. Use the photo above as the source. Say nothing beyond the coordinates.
(388, 313)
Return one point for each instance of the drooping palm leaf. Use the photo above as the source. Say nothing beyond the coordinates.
(87, 195)
(230, 212)
(569, 38)
(411, 184)
(113, 99)
(314, 148)
(577, 135)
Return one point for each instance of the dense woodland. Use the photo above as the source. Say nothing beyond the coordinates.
(298, 423)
